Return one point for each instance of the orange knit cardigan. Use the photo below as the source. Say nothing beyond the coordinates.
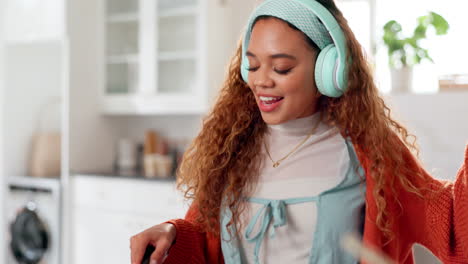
(439, 223)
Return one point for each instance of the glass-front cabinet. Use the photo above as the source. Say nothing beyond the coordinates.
(177, 46)
(122, 38)
(154, 57)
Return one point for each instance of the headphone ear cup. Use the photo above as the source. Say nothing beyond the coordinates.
(325, 71)
(245, 68)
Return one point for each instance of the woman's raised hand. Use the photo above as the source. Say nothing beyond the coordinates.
(160, 236)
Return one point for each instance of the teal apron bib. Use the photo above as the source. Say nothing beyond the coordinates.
(340, 210)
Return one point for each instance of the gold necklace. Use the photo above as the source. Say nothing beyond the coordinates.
(277, 163)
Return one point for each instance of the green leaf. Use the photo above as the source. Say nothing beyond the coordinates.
(420, 32)
(403, 60)
(425, 53)
(417, 59)
(392, 26)
(440, 24)
(412, 41)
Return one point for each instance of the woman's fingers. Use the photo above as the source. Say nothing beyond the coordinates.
(138, 245)
(160, 252)
(160, 236)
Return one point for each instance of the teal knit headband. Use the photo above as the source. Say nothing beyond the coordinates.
(294, 13)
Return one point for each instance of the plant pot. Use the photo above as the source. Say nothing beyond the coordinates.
(402, 79)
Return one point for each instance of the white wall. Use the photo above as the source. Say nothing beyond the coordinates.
(440, 122)
(32, 80)
(91, 135)
(2, 175)
(221, 44)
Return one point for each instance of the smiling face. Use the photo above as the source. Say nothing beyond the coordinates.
(281, 73)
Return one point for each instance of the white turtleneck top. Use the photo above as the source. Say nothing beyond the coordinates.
(318, 165)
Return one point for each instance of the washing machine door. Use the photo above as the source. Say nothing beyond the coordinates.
(29, 237)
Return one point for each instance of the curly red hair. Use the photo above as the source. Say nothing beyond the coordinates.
(221, 166)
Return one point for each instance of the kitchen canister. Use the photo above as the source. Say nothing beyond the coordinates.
(126, 154)
(157, 166)
(46, 144)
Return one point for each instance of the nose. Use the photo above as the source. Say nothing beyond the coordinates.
(262, 79)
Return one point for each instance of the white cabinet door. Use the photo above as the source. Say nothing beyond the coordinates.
(107, 211)
(122, 21)
(103, 237)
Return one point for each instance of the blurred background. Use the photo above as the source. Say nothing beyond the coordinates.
(99, 99)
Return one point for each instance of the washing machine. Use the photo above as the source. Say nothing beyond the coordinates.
(33, 220)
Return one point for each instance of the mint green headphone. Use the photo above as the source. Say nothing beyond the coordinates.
(318, 24)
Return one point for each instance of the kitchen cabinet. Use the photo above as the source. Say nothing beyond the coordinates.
(155, 56)
(107, 211)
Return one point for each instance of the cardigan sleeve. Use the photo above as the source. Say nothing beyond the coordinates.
(446, 231)
(193, 245)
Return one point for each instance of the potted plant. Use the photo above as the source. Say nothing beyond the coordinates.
(405, 52)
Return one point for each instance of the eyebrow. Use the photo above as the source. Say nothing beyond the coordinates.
(274, 56)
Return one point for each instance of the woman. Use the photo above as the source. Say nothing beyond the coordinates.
(300, 150)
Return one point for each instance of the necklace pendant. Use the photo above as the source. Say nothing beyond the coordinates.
(276, 164)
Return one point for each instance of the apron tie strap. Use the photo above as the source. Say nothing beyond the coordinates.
(272, 212)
